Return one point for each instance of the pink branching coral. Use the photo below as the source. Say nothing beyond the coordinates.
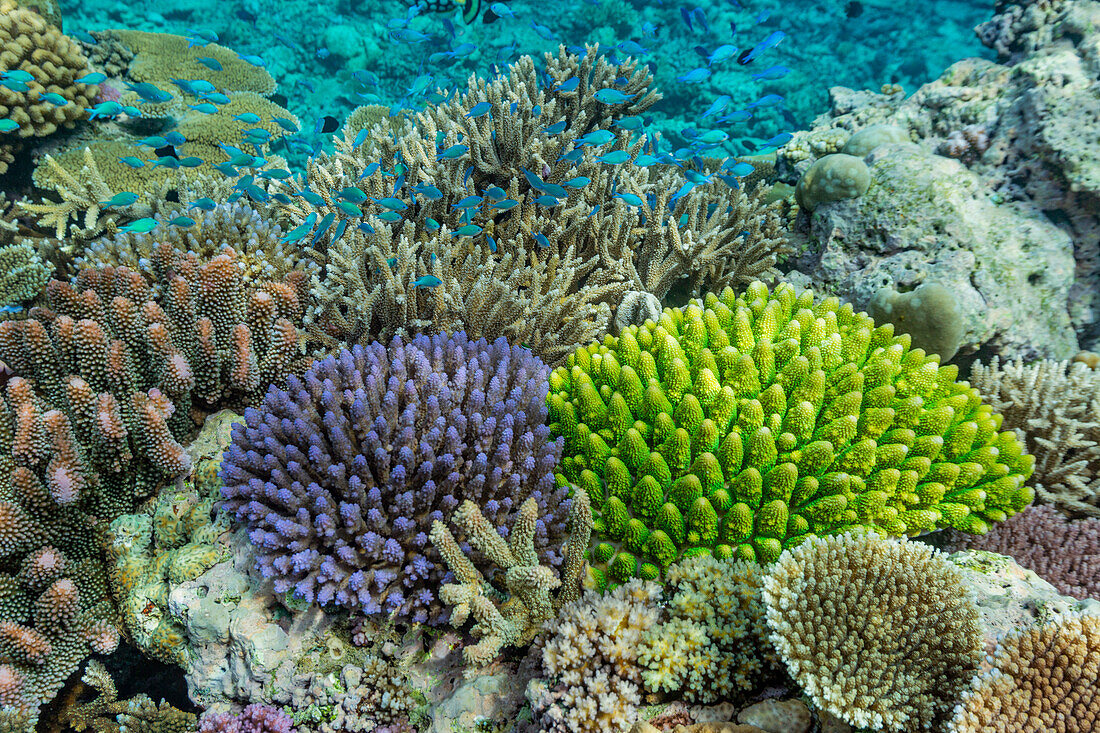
(255, 718)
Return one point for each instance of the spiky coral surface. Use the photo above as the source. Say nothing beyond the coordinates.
(340, 477)
(743, 425)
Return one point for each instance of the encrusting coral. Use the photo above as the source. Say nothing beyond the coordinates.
(742, 425)
(1054, 407)
(513, 265)
(340, 476)
(1043, 680)
(879, 632)
(30, 44)
(134, 361)
(714, 645)
(529, 604)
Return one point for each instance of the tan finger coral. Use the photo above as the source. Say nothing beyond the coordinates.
(29, 43)
(1044, 680)
(879, 632)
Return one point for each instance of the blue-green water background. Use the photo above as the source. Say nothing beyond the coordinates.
(314, 48)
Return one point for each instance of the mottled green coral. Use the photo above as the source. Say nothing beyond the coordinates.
(742, 425)
(22, 274)
(138, 714)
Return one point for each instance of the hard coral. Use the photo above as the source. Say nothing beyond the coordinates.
(879, 632)
(744, 425)
(255, 718)
(29, 43)
(340, 476)
(1043, 680)
(22, 273)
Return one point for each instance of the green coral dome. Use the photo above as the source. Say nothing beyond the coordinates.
(743, 425)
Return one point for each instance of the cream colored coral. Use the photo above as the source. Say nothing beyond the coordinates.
(879, 632)
(715, 645)
(1043, 680)
(160, 57)
(1054, 407)
(590, 661)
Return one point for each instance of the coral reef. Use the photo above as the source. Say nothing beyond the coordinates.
(590, 660)
(879, 632)
(29, 43)
(340, 476)
(541, 272)
(714, 645)
(1064, 551)
(139, 714)
(1054, 407)
(529, 604)
(742, 425)
(135, 367)
(255, 718)
(23, 275)
(1043, 679)
(929, 314)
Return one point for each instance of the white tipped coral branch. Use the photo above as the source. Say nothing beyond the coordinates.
(528, 603)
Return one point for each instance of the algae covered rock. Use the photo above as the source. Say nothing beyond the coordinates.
(834, 177)
(927, 218)
(929, 314)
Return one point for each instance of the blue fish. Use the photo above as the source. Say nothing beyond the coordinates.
(393, 204)
(285, 124)
(547, 200)
(182, 221)
(322, 228)
(470, 202)
(349, 208)
(132, 162)
(206, 108)
(740, 115)
(718, 105)
(633, 48)
(781, 139)
(615, 157)
(480, 109)
(629, 123)
(771, 73)
(18, 75)
(365, 228)
(504, 204)
(427, 281)
(542, 31)
(569, 85)
(629, 198)
(453, 152)
(768, 100)
(431, 224)
(353, 194)
(722, 53)
(312, 199)
(202, 34)
(190, 161)
(740, 169)
(555, 128)
(695, 76)
(14, 85)
(299, 232)
(149, 92)
(206, 204)
(578, 182)
(53, 98)
(125, 198)
(210, 63)
(132, 111)
(612, 96)
(502, 10)
(254, 60)
(541, 240)
(141, 226)
(428, 191)
(215, 97)
(167, 161)
(249, 118)
(84, 37)
(93, 78)
(105, 109)
(573, 156)
(596, 137)
(495, 193)
(470, 230)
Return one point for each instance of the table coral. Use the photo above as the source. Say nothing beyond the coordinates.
(339, 476)
(879, 632)
(742, 425)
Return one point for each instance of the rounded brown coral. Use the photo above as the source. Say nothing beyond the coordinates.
(29, 43)
(1043, 680)
(879, 632)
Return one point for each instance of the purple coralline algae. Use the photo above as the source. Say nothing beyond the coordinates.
(340, 476)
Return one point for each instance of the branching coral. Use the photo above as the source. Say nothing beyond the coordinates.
(1054, 408)
(1043, 680)
(1064, 552)
(545, 275)
(129, 359)
(139, 714)
(529, 603)
(742, 425)
(22, 274)
(340, 476)
(53, 608)
(590, 660)
(881, 633)
(29, 43)
(714, 645)
(255, 718)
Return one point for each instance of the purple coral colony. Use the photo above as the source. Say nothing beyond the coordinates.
(470, 367)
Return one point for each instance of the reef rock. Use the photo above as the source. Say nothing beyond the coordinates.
(927, 218)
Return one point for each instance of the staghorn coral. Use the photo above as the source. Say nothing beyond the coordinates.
(1065, 552)
(340, 476)
(528, 604)
(881, 633)
(130, 364)
(1043, 680)
(1054, 408)
(207, 133)
(742, 425)
(22, 273)
(138, 714)
(255, 238)
(590, 660)
(29, 43)
(255, 718)
(53, 607)
(549, 275)
(714, 646)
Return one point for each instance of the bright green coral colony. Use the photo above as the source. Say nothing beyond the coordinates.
(745, 424)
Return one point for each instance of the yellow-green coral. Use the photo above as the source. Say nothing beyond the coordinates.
(22, 273)
(714, 645)
(742, 425)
